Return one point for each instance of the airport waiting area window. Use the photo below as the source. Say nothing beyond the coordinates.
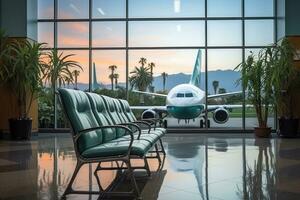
(154, 46)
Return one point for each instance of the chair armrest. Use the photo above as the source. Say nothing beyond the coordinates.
(129, 124)
(152, 121)
(144, 123)
(80, 133)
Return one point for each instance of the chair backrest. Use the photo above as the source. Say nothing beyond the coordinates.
(77, 108)
(126, 109)
(122, 116)
(113, 113)
(101, 114)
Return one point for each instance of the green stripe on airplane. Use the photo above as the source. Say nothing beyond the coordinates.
(186, 112)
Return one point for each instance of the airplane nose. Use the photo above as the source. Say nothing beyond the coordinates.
(186, 112)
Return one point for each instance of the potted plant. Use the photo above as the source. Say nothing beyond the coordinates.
(256, 74)
(285, 80)
(21, 72)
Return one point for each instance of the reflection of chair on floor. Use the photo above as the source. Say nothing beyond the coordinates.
(153, 186)
(98, 137)
(149, 187)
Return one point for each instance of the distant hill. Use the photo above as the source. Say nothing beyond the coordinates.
(227, 79)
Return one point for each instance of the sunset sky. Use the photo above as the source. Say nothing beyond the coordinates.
(156, 33)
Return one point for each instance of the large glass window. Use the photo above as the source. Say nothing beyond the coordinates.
(166, 33)
(224, 33)
(46, 33)
(224, 8)
(45, 9)
(73, 9)
(166, 8)
(164, 36)
(221, 78)
(109, 9)
(109, 34)
(104, 76)
(259, 32)
(259, 8)
(73, 34)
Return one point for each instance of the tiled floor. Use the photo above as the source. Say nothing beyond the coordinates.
(196, 167)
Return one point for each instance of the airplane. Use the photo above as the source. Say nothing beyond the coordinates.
(187, 101)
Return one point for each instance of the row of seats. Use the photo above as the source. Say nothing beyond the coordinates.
(105, 129)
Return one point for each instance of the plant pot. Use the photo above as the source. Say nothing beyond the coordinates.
(262, 132)
(20, 128)
(288, 127)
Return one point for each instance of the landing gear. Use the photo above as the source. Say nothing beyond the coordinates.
(165, 123)
(202, 123)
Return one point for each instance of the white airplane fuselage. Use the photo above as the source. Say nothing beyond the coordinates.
(185, 101)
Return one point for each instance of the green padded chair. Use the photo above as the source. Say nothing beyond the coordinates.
(94, 142)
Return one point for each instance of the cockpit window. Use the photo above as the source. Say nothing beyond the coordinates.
(189, 94)
(180, 95)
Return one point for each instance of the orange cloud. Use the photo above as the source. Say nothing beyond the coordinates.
(81, 27)
(73, 28)
(69, 41)
(112, 42)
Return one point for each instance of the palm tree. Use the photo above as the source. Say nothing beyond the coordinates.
(141, 79)
(215, 85)
(151, 66)
(143, 61)
(58, 70)
(76, 74)
(164, 78)
(111, 76)
(116, 77)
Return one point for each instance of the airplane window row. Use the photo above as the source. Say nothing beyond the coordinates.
(181, 95)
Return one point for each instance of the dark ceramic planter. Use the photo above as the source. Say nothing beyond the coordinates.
(20, 128)
(288, 127)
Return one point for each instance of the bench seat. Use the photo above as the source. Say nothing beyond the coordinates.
(118, 147)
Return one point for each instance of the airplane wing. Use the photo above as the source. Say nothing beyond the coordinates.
(157, 108)
(224, 94)
(150, 93)
(211, 108)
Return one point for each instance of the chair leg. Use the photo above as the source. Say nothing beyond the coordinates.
(147, 167)
(69, 187)
(157, 153)
(162, 147)
(133, 181)
(97, 177)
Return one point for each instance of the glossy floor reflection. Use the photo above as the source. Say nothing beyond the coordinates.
(196, 167)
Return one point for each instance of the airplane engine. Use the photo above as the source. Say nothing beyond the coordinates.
(220, 115)
(149, 114)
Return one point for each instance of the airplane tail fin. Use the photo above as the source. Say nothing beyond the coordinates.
(195, 78)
